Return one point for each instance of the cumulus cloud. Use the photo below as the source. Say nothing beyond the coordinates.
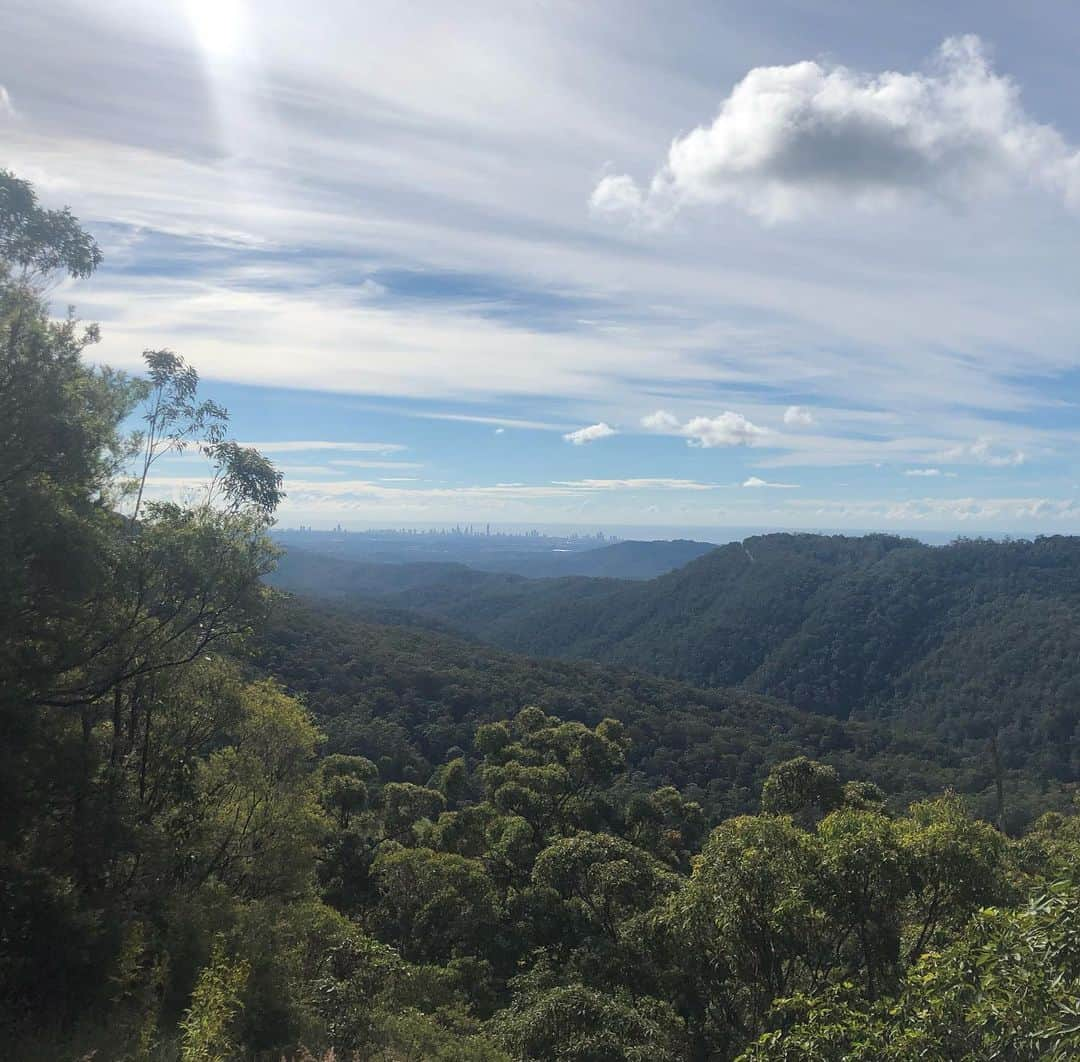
(590, 434)
(793, 139)
(983, 451)
(798, 417)
(727, 429)
(754, 481)
(500, 431)
(661, 420)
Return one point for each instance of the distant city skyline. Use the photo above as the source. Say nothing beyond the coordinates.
(710, 264)
(716, 535)
(466, 529)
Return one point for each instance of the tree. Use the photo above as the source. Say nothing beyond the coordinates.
(864, 878)
(39, 242)
(803, 789)
(207, 1026)
(346, 782)
(436, 905)
(1007, 987)
(747, 923)
(957, 865)
(573, 1023)
(175, 419)
(607, 877)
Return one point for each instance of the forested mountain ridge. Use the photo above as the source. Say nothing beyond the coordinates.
(965, 640)
(546, 557)
(235, 828)
(407, 697)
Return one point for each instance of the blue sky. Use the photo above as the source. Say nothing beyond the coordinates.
(796, 264)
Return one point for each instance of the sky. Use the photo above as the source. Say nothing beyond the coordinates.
(806, 263)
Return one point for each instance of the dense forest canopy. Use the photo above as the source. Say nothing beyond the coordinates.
(970, 642)
(405, 695)
(236, 828)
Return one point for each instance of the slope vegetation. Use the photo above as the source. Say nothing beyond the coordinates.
(965, 641)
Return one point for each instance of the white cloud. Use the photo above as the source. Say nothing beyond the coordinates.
(371, 289)
(727, 429)
(471, 418)
(922, 472)
(290, 446)
(944, 511)
(792, 139)
(984, 451)
(307, 470)
(661, 421)
(634, 484)
(798, 417)
(7, 108)
(486, 181)
(424, 349)
(305, 491)
(590, 434)
(616, 195)
(754, 481)
(500, 431)
(342, 463)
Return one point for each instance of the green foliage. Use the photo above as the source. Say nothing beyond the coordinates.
(184, 873)
(1007, 987)
(576, 1024)
(436, 905)
(38, 242)
(608, 878)
(801, 788)
(408, 699)
(215, 1003)
(947, 646)
(956, 865)
(259, 821)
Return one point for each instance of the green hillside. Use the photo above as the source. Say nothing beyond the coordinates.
(964, 641)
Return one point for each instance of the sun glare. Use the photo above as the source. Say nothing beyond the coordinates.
(217, 25)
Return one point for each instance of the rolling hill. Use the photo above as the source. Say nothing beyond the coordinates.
(970, 640)
(409, 697)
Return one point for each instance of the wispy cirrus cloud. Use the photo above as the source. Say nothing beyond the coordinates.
(635, 484)
(756, 482)
(985, 451)
(313, 211)
(291, 446)
(348, 463)
(927, 473)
